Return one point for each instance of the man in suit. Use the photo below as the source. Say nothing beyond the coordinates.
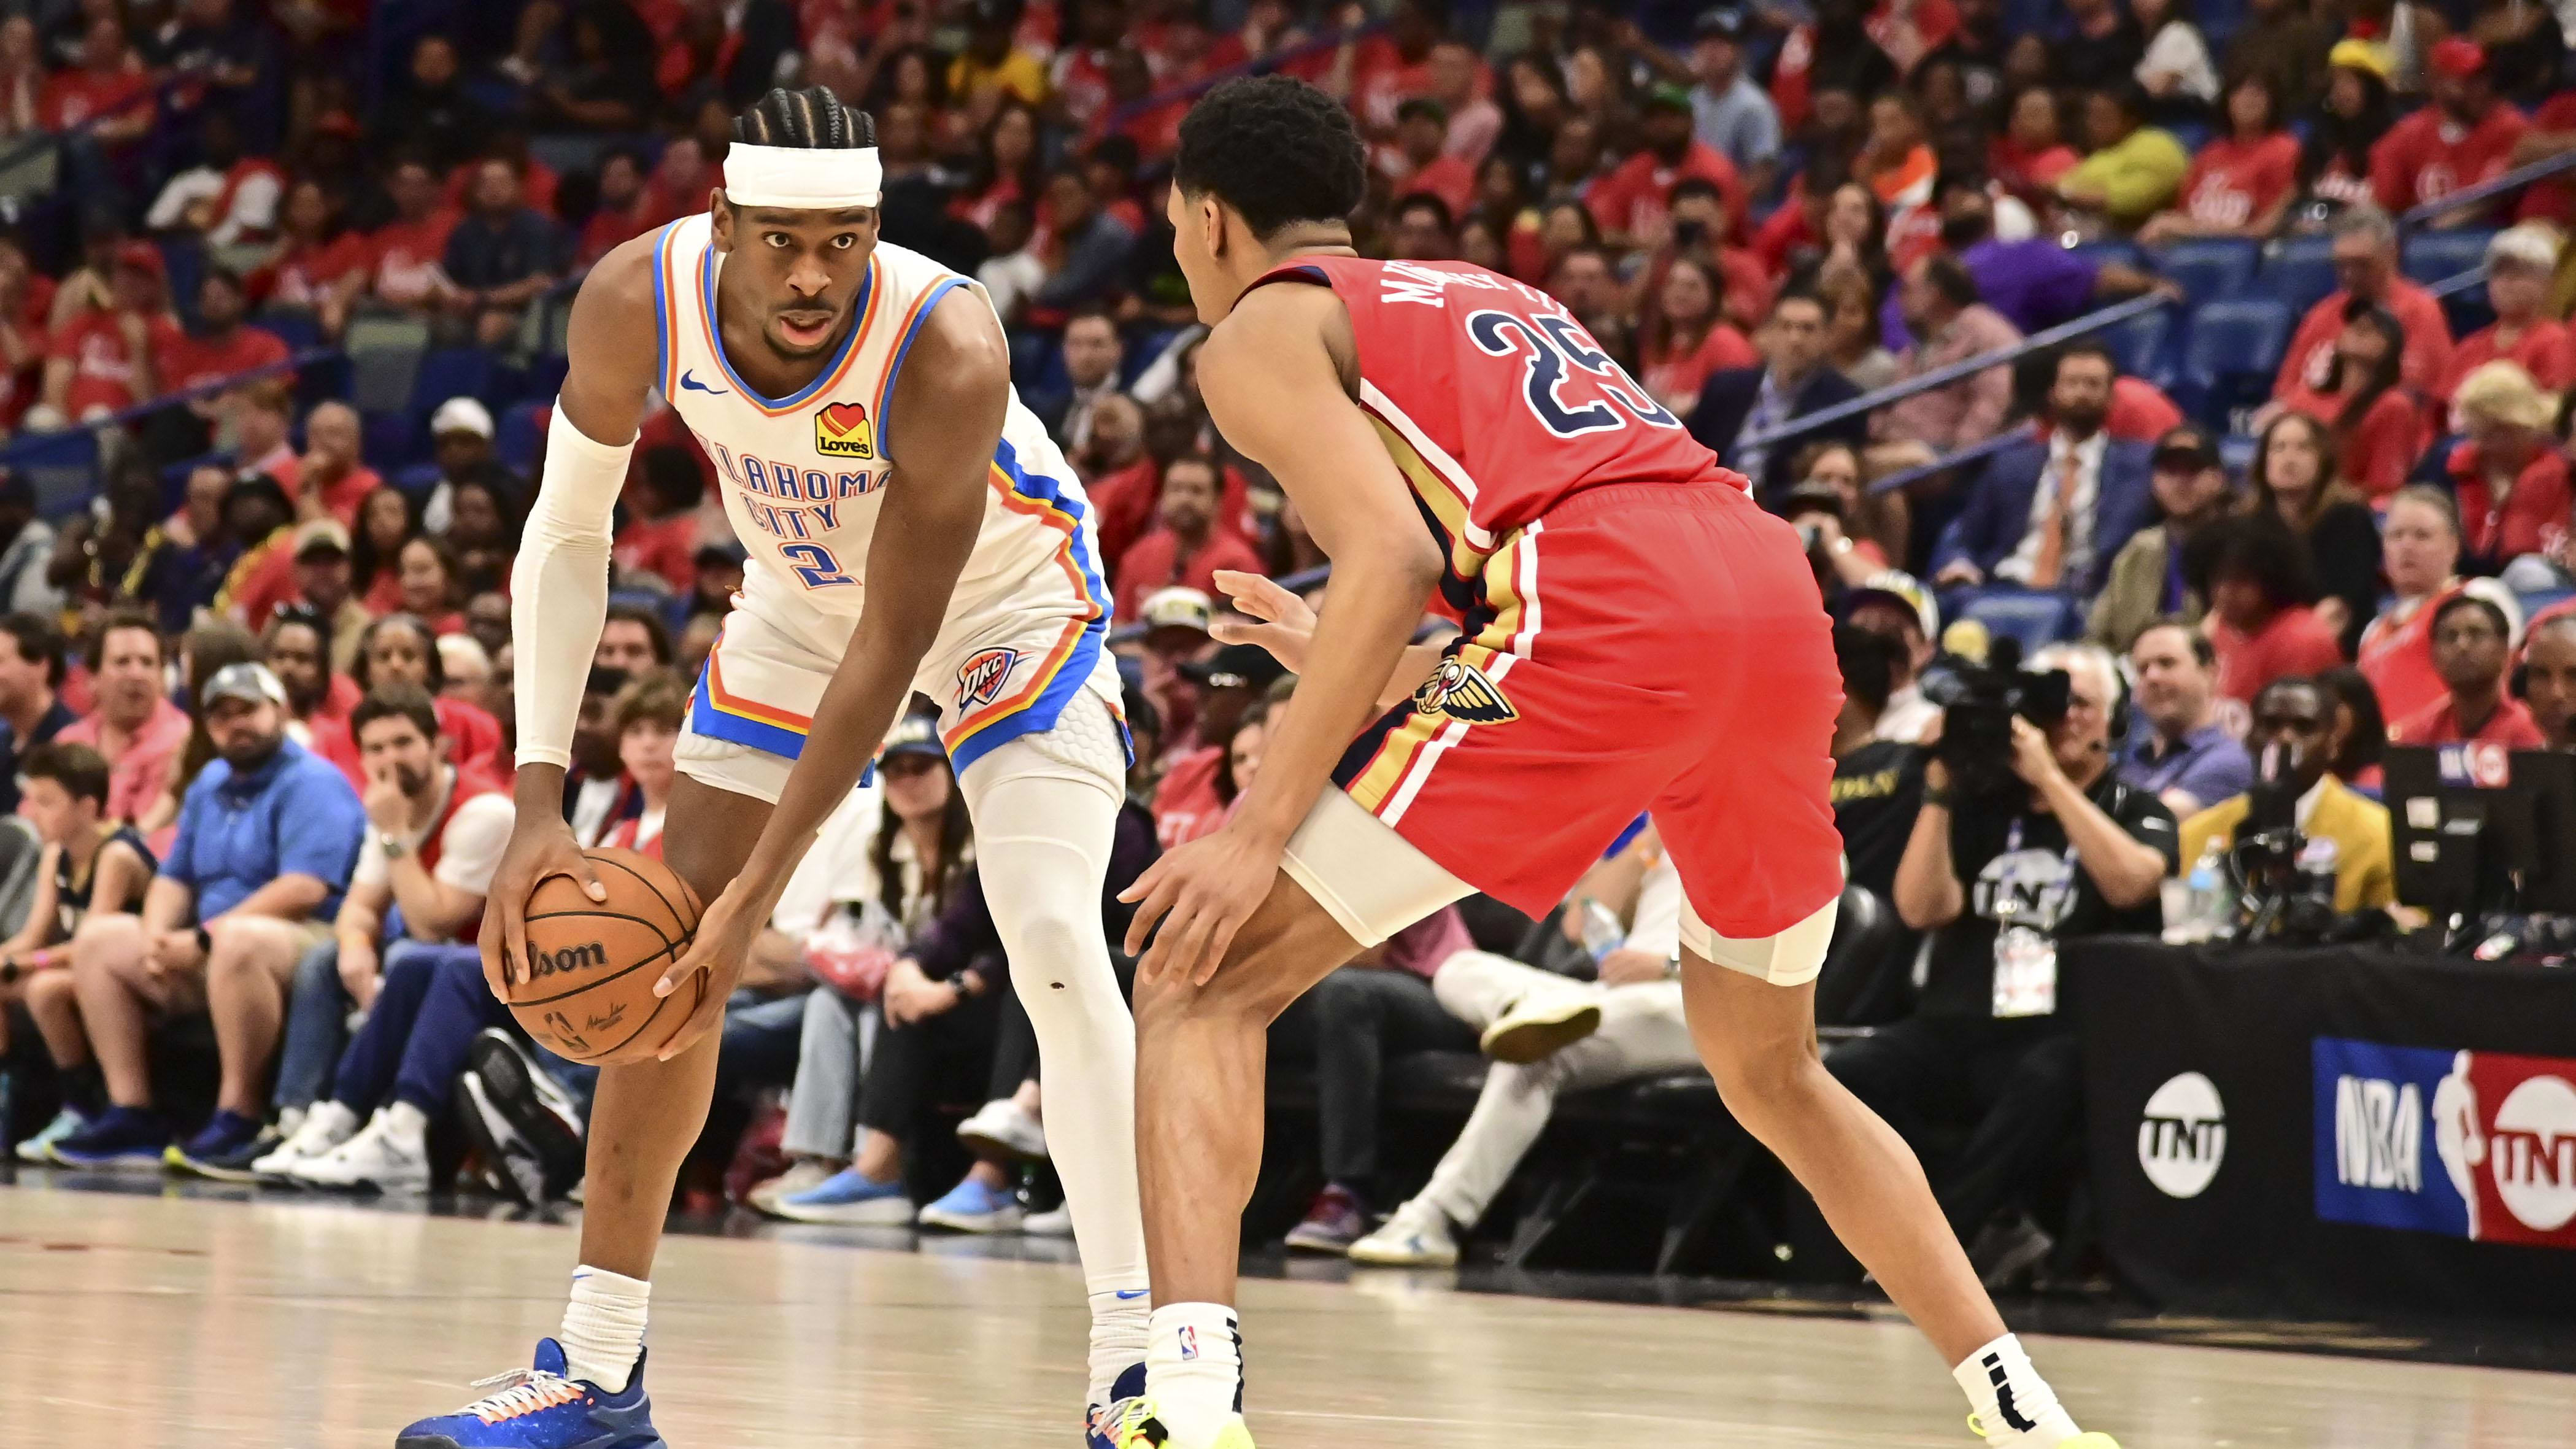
(2052, 512)
(1794, 380)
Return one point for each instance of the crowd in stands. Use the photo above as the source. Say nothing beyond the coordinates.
(285, 588)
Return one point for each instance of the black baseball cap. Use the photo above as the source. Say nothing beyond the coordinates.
(1722, 24)
(1236, 666)
(2185, 447)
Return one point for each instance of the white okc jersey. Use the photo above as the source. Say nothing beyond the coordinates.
(803, 478)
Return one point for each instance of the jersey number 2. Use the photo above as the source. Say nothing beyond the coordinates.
(1553, 345)
(814, 564)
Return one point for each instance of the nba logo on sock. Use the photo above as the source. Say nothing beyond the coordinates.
(1189, 1343)
(979, 680)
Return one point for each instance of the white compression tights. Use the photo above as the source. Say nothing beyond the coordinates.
(1045, 811)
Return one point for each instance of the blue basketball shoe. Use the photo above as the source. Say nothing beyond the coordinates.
(538, 1408)
(1105, 1418)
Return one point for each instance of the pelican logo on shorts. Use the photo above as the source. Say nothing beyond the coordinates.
(1463, 693)
(570, 958)
(841, 431)
(979, 680)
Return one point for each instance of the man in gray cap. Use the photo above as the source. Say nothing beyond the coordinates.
(267, 838)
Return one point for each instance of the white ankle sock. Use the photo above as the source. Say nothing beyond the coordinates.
(337, 1121)
(1194, 1370)
(2014, 1406)
(408, 1125)
(603, 1326)
(1117, 1338)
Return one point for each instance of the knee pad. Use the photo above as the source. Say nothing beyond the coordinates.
(1791, 958)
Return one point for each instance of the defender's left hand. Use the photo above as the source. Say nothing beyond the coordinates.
(1202, 893)
(722, 944)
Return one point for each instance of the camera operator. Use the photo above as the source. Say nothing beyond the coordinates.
(2063, 850)
(2296, 735)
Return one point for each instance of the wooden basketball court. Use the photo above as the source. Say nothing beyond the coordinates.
(138, 1321)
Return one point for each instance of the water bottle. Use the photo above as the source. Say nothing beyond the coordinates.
(1602, 932)
(2206, 906)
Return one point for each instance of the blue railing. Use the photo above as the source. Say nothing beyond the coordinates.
(34, 447)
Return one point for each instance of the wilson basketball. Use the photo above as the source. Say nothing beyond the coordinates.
(588, 995)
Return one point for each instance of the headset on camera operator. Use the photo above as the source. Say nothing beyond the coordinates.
(2298, 834)
(2026, 838)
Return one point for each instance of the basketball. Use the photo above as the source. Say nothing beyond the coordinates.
(589, 995)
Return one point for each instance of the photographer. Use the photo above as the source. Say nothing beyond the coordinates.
(2008, 859)
(2295, 738)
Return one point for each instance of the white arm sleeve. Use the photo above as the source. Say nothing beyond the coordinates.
(559, 587)
(1656, 924)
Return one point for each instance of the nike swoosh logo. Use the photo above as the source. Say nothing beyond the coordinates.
(689, 383)
(1125, 1293)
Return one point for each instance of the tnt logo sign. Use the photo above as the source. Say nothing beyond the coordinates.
(980, 679)
(2502, 1129)
(2183, 1136)
(841, 431)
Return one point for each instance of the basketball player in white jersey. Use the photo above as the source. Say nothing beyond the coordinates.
(909, 527)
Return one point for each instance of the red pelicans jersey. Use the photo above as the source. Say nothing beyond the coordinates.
(1639, 634)
(1494, 401)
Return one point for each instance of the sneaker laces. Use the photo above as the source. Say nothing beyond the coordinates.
(521, 1391)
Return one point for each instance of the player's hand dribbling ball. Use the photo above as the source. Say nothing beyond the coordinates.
(585, 991)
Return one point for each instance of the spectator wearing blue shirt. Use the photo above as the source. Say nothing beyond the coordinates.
(2034, 282)
(502, 256)
(2177, 750)
(268, 836)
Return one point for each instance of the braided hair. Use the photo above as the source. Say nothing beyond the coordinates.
(812, 119)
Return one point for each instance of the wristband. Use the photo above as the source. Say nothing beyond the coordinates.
(1937, 795)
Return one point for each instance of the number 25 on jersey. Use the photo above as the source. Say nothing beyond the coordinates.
(1557, 349)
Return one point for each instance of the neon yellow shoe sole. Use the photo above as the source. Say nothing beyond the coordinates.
(1138, 1428)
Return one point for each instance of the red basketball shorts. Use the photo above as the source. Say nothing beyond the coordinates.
(1648, 647)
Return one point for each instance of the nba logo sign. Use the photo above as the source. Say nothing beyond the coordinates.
(841, 431)
(979, 680)
(2466, 1144)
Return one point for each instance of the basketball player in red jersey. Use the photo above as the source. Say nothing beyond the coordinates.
(1639, 636)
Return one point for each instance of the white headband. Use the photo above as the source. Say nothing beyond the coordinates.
(802, 178)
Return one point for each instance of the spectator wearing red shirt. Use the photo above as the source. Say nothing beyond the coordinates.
(2420, 553)
(2464, 138)
(407, 268)
(660, 538)
(1186, 547)
(2240, 183)
(1386, 69)
(2261, 588)
(2509, 476)
(2472, 648)
(105, 361)
(2521, 262)
(1633, 203)
(256, 512)
(2378, 430)
(103, 92)
(1122, 481)
(1420, 160)
(132, 722)
(223, 345)
(320, 269)
(680, 184)
(2365, 263)
(2031, 154)
(619, 213)
(1684, 338)
(331, 480)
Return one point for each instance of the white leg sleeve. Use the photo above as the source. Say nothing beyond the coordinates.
(1792, 958)
(1043, 828)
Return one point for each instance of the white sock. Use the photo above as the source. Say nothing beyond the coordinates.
(408, 1126)
(1118, 1328)
(1194, 1370)
(603, 1326)
(289, 1121)
(2014, 1406)
(334, 1119)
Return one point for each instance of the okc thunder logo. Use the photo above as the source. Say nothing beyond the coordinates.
(841, 431)
(1462, 692)
(979, 680)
